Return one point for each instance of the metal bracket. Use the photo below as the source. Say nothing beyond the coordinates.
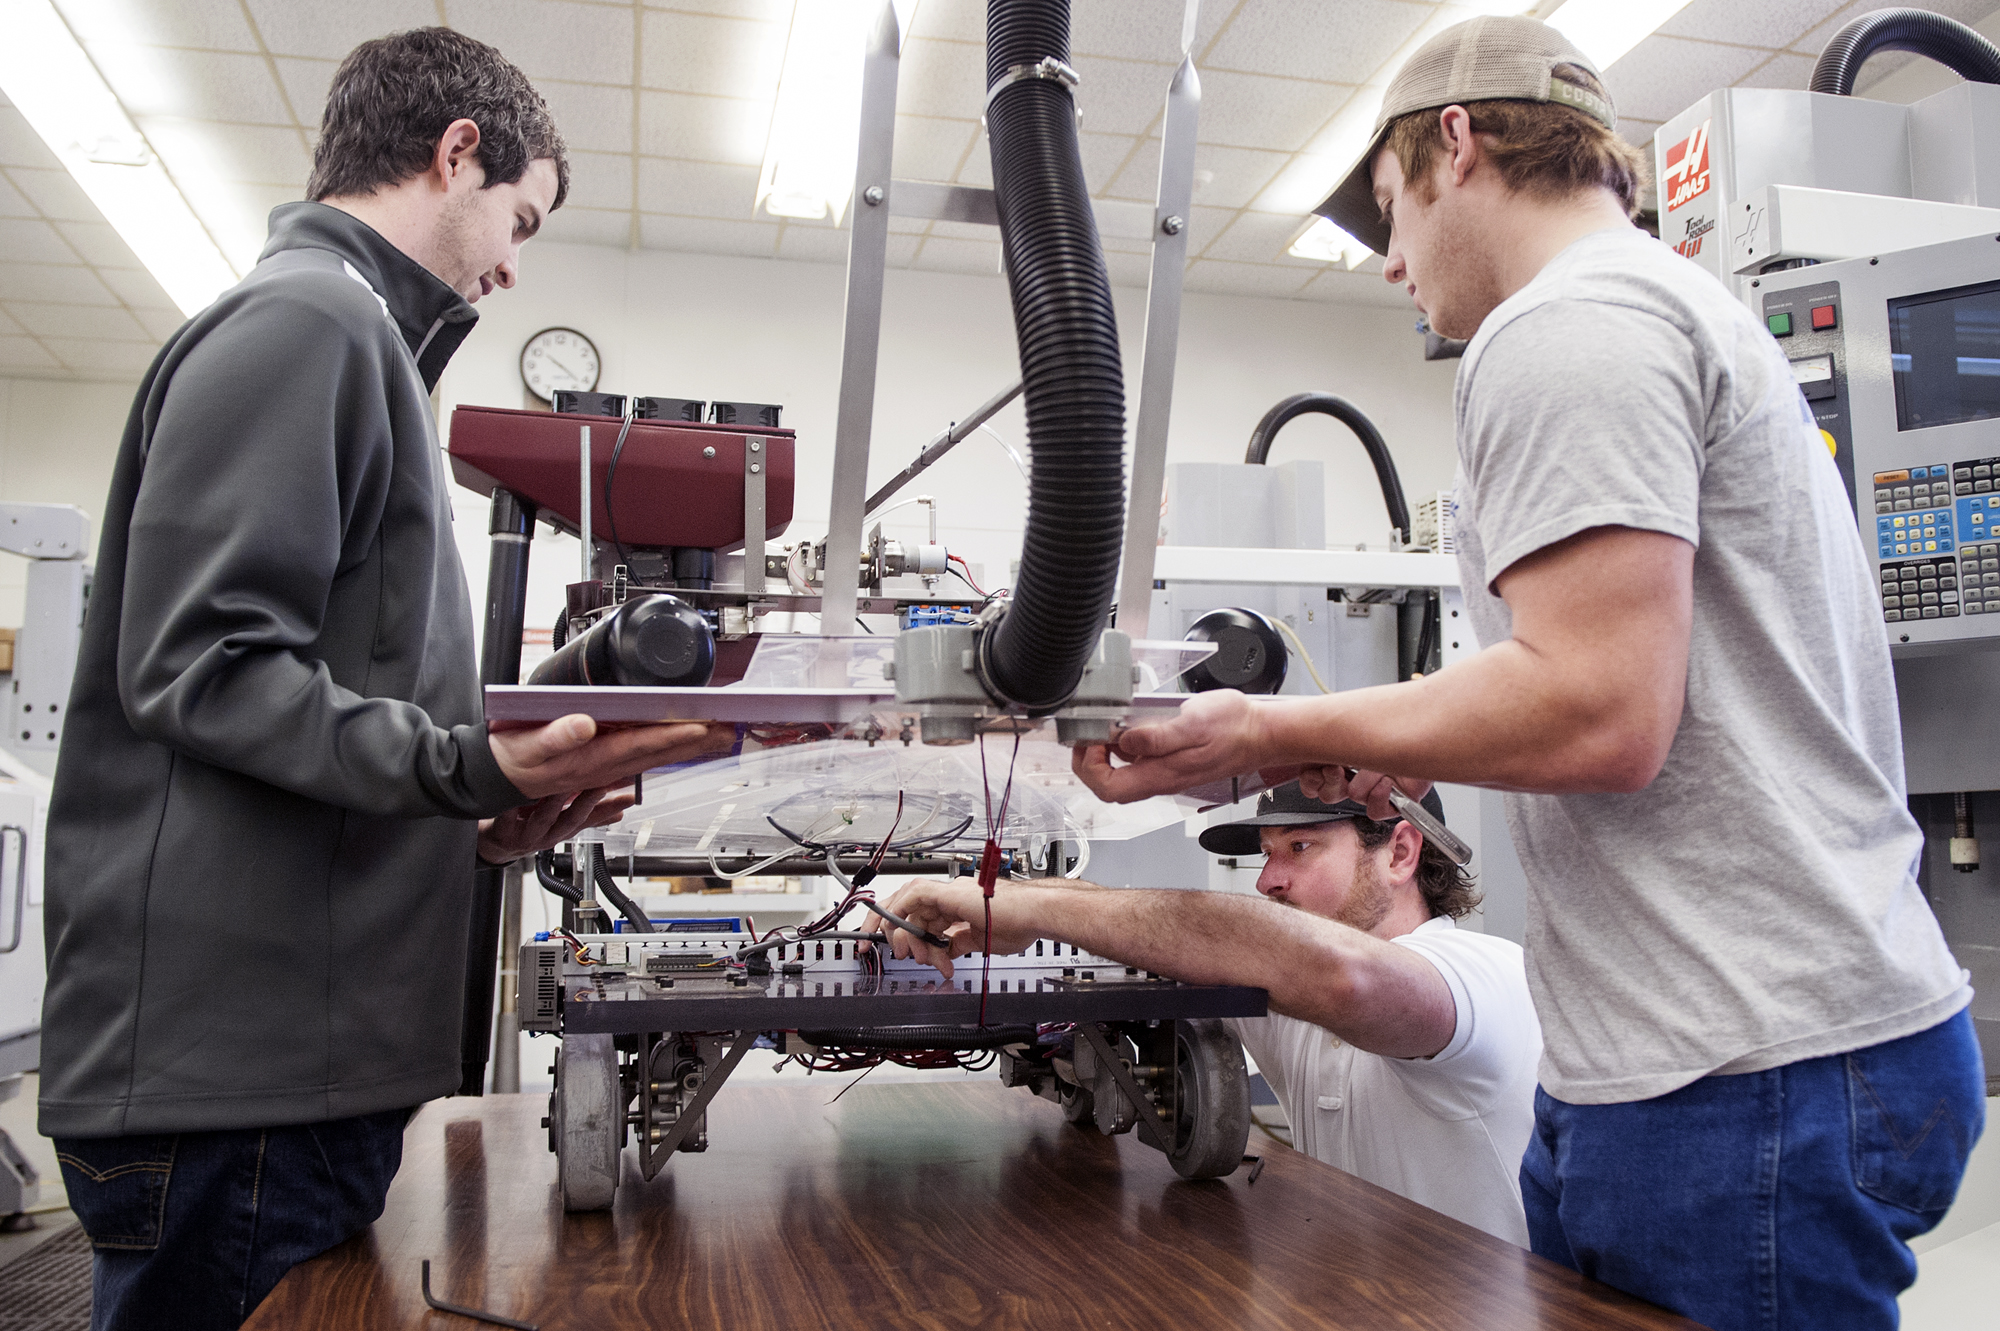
(690, 1114)
(1145, 1113)
(756, 457)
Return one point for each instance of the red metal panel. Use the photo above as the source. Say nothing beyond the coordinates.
(667, 492)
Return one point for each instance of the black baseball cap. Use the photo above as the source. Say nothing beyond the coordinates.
(1289, 806)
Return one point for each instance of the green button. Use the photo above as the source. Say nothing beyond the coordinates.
(1779, 324)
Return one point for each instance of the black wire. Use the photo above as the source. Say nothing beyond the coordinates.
(611, 474)
(860, 624)
(983, 596)
(757, 949)
(545, 864)
(607, 887)
(906, 927)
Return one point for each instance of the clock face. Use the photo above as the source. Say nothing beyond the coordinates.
(558, 358)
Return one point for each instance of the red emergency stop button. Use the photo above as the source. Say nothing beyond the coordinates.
(1825, 316)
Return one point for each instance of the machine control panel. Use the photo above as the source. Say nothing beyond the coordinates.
(1807, 324)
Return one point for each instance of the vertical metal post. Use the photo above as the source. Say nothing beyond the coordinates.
(1163, 332)
(867, 257)
(512, 527)
(583, 505)
(507, 1022)
(755, 457)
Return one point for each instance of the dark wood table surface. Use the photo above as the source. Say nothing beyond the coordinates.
(961, 1204)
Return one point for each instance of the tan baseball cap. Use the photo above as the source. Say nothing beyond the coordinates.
(1480, 60)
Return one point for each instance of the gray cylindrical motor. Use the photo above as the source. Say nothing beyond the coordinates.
(653, 641)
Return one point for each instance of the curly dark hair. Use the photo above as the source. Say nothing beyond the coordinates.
(1448, 889)
(393, 98)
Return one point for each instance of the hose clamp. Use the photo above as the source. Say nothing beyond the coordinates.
(1048, 67)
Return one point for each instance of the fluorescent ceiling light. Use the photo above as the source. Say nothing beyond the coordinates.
(47, 76)
(1607, 29)
(816, 120)
(1330, 244)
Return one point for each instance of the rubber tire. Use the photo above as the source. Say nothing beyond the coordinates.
(1212, 1099)
(588, 1116)
(1077, 1105)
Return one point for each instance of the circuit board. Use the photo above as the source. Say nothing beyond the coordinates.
(630, 983)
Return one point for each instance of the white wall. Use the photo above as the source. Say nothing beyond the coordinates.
(58, 441)
(769, 331)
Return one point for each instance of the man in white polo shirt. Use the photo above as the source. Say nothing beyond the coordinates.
(1402, 1047)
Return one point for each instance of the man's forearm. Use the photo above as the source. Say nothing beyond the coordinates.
(1376, 995)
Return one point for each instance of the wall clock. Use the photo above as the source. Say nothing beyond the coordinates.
(558, 358)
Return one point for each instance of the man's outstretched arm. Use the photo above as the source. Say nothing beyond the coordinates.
(1377, 996)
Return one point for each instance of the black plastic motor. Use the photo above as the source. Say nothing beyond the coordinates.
(1249, 654)
(649, 641)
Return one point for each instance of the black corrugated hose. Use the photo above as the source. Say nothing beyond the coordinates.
(1947, 41)
(1364, 429)
(1074, 377)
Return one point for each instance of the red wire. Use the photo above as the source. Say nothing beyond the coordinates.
(960, 561)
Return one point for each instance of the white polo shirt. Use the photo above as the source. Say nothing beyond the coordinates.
(1447, 1131)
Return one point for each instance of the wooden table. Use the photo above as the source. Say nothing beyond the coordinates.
(961, 1204)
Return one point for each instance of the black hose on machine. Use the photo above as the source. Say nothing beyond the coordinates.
(1070, 365)
(1326, 404)
(1947, 41)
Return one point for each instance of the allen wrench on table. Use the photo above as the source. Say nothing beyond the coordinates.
(473, 1313)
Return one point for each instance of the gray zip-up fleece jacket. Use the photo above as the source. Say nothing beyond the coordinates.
(261, 846)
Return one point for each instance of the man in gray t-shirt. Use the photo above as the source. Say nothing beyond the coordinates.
(1759, 1079)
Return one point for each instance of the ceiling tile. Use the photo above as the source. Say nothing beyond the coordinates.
(1251, 111)
(584, 226)
(247, 154)
(903, 249)
(1244, 279)
(24, 353)
(160, 324)
(94, 359)
(20, 145)
(38, 242)
(725, 57)
(1223, 177)
(592, 118)
(1637, 131)
(978, 168)
(1303, 41)
(97, 242)
(599, 180)
(1663, 76)
(1139, 178)
(1781, 71)
(549, 39)
(776, 11)
(703, 129)
(1361, 287)
(1774, 23)
(1103, 155)
(1147, 30)
(688, 235)
(113, 323)
(330, 31)
(1259, 238)
(55, 194)
(196, 85)
(306, 83)
(697, 189)
(929, 149)
(1122, 96)
(1129, 270)
(813, 244)
(68, 285)
(215, 25)
(1205, 224)
(138, 289)
(943, 255)
(945, 79)
(13, 203)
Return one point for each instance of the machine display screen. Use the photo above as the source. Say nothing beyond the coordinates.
(1944, 354)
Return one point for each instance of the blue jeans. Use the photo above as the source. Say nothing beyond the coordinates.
(1770, 1200)
(192, 1230)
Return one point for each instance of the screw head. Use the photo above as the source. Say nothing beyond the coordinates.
(708, 452)
(874, 195)
(755, 468)
(1172, 225)
(756, 445)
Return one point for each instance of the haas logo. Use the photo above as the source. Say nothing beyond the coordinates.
(1687, 168)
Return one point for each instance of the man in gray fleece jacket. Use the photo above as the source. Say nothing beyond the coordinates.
(275, 768)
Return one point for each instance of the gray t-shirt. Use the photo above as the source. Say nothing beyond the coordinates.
(1757, 903)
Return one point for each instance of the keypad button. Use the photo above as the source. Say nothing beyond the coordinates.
(1947, 584)
(1965, 487)
(1902, 505)
(1930, 612)
(1988, 563)
(1893, 616)
(1947, 598)
(1982, 487)
(1902, 491)
(1961, 473)
(1927, 585)
(1974, 608)
(1990, 550)
(1981, 470)
(1948, 612)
